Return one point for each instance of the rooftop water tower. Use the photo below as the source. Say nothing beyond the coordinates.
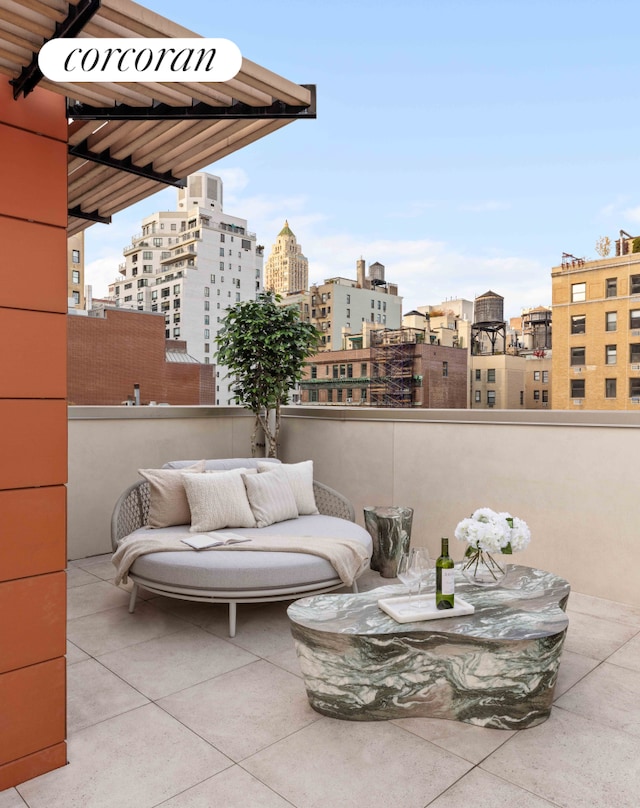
(488, 319)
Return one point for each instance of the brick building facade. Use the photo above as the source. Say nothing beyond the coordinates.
(111, 350)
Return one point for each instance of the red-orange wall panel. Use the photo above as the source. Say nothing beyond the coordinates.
(36, 364)
(34, 443)
(34, 176)
(33, 709)
(33, 270)
(16, 772)
(32, 531)
(32, 620)
(41, 111)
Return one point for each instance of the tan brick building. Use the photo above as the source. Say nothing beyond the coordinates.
(112, 350)
(596, 333)
(75, 270)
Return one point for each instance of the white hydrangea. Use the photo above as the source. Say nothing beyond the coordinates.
(490, 531)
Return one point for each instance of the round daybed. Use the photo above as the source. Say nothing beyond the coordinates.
(233, 576)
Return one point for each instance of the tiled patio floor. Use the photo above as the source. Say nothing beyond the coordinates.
(165, 710)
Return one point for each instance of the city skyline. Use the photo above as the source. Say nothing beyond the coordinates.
(466, 146)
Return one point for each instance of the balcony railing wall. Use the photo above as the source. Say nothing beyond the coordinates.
(571, 476)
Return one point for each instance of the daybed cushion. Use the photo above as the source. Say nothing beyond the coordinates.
(270, 497)
(224, 464)
(300, 476)
(218, 500)
(168, 503)
(235, 571)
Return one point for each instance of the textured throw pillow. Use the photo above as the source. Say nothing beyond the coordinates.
(218, 500)
(271, 498)
(300, 476)
(168, 504)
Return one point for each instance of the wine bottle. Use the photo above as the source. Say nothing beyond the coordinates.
(445, 583)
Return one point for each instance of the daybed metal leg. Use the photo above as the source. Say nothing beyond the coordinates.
(232, 619)
(132, 599)
(354, 587)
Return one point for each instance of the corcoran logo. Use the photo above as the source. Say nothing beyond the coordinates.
(139, 60)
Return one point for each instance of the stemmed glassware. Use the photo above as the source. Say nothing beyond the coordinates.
(413, 571)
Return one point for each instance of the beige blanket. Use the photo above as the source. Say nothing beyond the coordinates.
(348, 557)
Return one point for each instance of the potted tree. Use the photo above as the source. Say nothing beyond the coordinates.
(264, 346)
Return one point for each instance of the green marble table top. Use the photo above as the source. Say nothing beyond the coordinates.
(528, 604)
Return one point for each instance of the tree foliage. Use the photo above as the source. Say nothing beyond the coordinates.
(264, 346)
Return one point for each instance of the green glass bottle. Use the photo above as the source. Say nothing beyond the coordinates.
(445, 582)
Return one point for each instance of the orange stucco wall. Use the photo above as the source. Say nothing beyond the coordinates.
(33, 434)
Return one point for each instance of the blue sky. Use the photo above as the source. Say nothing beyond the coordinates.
(465, 145)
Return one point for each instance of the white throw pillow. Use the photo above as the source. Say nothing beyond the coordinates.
(300, 476)
(218, 500)
(168, 504)
(271, 498)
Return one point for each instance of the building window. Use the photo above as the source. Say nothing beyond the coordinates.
(491, 375)
(147, 255)
(578, 324)
(577, 388)
(634, 352)
(634, 318)
(206, 333)
(75, 276)
(373, 304)
(206, 305)
(206, 319)
(76, 298)
(611, 321)
(313, 396)
(330, 396)
(206, 291)
(176, 332)
(75, 256)
(127, 298)
(148, 268)
(536, 395)
(221, 252)
(363, 394)
(536, 375)
(545, 396)
(349, 395)
(478, 397)
(491, 398)
(610, 388)
(363, 369)
(611, 287)
(157, 242)
(521, 398)
(349, 371)
(634, 285)
(445, 368)
(545, 377)
(348, 298)
(578, 356)
(339, 395)
(611, 354)
(578, 292)
(634, 388)
(478, 374)
(314, 371)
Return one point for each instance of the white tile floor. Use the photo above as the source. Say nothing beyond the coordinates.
(165, 710)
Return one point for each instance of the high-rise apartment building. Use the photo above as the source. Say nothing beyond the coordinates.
(596, 331)
(75, 271)
(341, 305)
(192, 264)
(286, 270)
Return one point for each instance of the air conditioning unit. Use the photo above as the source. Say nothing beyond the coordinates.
(635, 367)
(578, 370)
(577, 402)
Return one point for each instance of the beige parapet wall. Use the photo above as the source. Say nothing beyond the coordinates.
(571, 476)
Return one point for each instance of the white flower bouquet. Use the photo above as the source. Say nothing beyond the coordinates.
(487, 531)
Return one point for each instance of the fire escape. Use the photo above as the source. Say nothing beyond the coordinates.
(392, 379)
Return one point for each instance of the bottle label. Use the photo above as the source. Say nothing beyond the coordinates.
(448, 582)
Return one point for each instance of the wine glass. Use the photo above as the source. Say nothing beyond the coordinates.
(423, 563)
(409, 573)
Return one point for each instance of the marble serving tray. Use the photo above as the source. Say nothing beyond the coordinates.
(425, 608)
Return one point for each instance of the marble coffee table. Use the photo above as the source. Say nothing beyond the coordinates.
(495, 668)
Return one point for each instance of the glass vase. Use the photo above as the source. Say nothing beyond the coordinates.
(481, 568)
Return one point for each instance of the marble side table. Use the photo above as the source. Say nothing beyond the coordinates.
(495, 668)
(390, 531)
